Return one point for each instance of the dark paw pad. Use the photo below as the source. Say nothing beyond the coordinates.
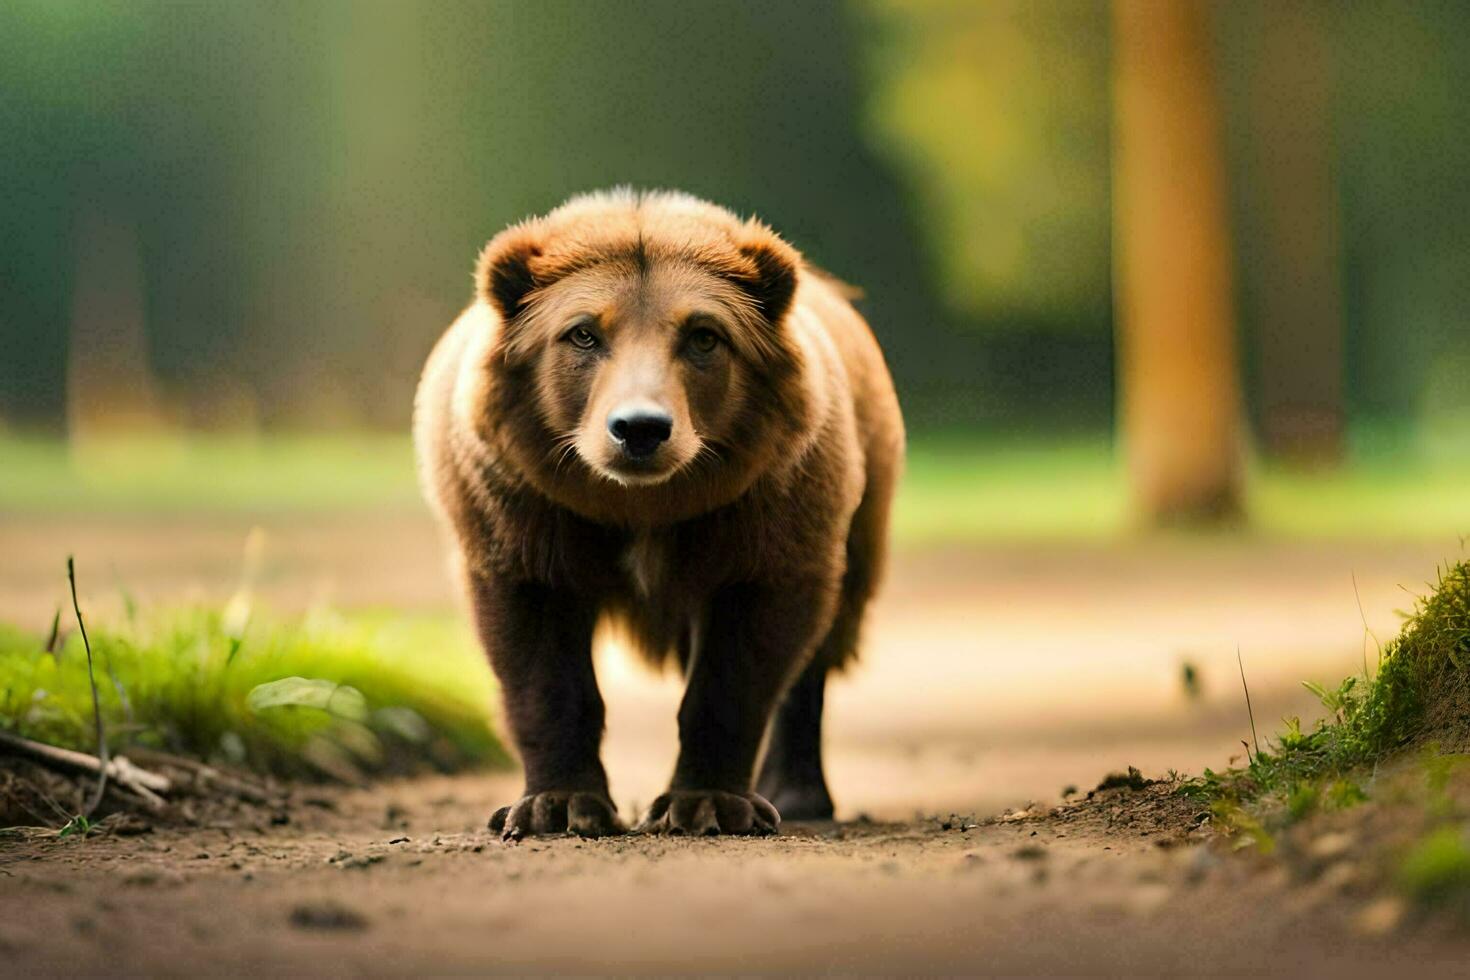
(701, 813)
(557, 812)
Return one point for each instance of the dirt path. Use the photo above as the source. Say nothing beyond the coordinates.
(992, 677)
(402, 880)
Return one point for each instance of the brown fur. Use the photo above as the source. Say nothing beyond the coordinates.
(747, 546)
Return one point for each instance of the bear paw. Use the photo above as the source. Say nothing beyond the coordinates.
(701, 813)
(557, 812)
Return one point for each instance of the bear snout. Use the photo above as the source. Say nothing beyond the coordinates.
(640, 430)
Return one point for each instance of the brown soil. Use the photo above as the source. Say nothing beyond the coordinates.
(403, 879)
(991, 678)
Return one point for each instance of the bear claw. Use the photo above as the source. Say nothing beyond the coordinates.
(706, 813)
(557, 812)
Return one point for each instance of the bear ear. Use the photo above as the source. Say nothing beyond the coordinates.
(776, 264)
(503, 275)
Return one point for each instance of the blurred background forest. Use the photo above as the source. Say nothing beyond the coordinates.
(257, 216)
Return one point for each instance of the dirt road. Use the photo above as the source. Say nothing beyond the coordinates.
(992, 677)
(402, 880)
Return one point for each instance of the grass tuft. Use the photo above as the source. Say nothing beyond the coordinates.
(71, 578)
(1421, 692)
(316, 695)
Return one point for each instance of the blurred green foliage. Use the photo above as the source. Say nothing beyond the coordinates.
(310, 182)
(999, 111)
(306, 184)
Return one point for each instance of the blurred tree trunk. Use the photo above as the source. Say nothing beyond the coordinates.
(109, 384)
(1179, 384)
(1294, 289)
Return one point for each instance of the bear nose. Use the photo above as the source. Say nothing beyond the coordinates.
(640, 431)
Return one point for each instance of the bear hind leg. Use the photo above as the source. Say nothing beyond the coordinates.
(792, 776)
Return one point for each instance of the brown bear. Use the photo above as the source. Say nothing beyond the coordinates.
(658, 412)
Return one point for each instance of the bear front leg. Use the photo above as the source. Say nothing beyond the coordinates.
(754, 642)
(539, 641)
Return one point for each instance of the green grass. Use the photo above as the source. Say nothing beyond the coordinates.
(313, 695)
(206, 474)
(957, 490)
(1394, 739)
(1419, 693)
(1378, 498)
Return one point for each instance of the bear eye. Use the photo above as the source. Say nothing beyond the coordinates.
(703, 340)
(581, 338)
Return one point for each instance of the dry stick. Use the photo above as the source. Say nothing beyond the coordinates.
(71, 577)
(207, 776)
(120, 771)
(1249, 712)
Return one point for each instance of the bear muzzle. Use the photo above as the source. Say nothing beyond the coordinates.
(639, 430)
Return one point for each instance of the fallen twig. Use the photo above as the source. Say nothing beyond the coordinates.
(141, 782)
(207, 776)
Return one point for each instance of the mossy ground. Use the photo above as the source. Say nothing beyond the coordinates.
(1387, 769)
